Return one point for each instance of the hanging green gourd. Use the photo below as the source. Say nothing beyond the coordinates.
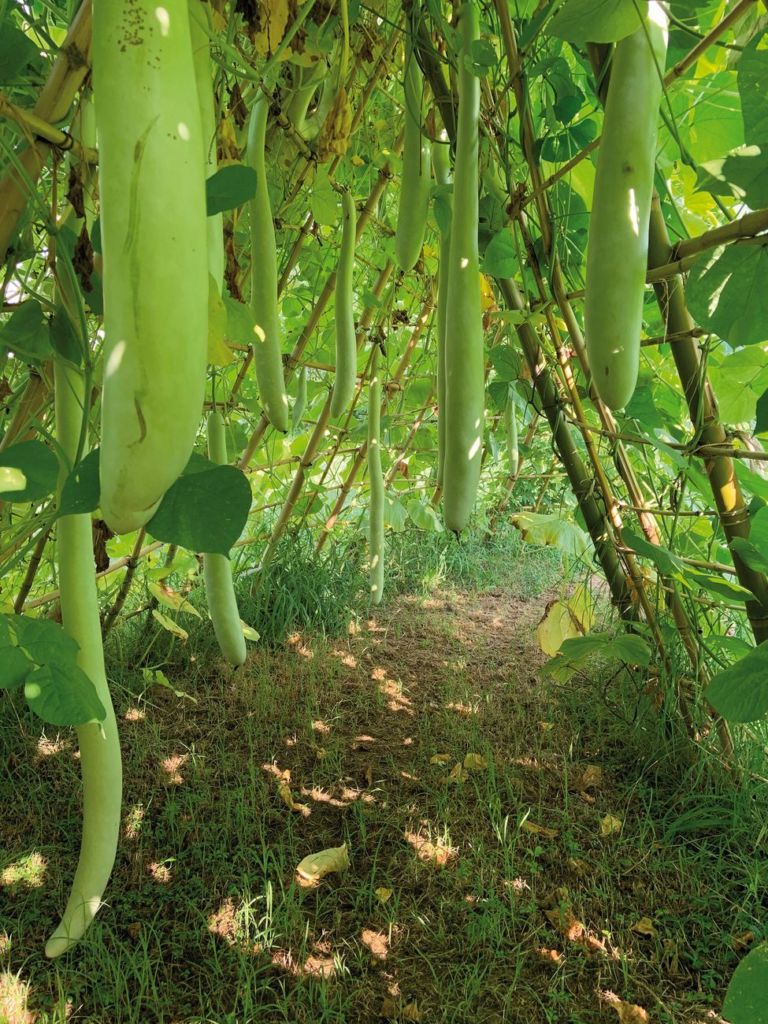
(376, 486)
(153, 231)
(99, 745)
(617, 249)
(346, 340)
(267, 344)
(415, 181)
(442, 168)
(510, 430)
(464, 357)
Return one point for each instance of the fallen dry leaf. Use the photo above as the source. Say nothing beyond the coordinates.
(553, 956)
(629, 1013)
(457, 774)
(742, 941)
(475, 762)
(644, 927)
(591, 777)
(318, 865)
(293, 805)
(610, 825)
(437, 854)
(578, 866)
(383, 894)
(539, 830)
(565, 921)
(546, 726)
(440, 759)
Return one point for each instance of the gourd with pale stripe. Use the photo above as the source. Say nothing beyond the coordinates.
(376, 485)
(346, 342)
(153, 230)
(442, 167)
(617, 249)
(415, 183)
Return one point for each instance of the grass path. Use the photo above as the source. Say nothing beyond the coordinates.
(516, 854)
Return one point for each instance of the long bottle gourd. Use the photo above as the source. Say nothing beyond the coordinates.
(153, 229)
(267, 343)
(346, 341)
(464, 358)
(617, 248)
(510, 429)
(442, 167)
(376, 486)
(415, 182)
(217, 569)
(100, 762)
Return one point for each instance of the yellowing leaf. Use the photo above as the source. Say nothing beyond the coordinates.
(356, 160)
(249, 632)
(539, 830)
(273, 15)
(287, 797)
(458, 774)
(591, 777)
(644, 927)
(556, 626)
(318, 865)
(487, 298)
(546, 726)
(219, 353)
(170, 599)
(383, 894)
(170, 625)
(440, 759)
(475, 762)
(582, 608)
(629, 1013)
(610, 825)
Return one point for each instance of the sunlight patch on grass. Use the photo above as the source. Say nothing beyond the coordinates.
(27, 872)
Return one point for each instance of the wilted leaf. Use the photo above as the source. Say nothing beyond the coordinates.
(440, 759)
(629, 1013)
(591, 777)
(539, 830)
(383, 894)
(644, 927)
(287, 797)
(170, 625)
(171, 599)
(475, 762)
(317, 865)
(610, 825)
(249, 632)
(437, 854)
(457, 774)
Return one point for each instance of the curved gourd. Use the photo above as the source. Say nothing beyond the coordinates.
(267, 345)
(217, 569)
(464, 358)
(153, 230)
(510, 429)
(376, 485)
(100, 763)
(346, 341)
(442, 168)
(617, 249)
(415, 182)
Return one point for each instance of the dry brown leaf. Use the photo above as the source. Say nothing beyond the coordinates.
(440, 759)
(539, 830)
(565, 921)
(629, 1013)
(318, 865)
(644, 927)
(437, 854)
(293, 805)
(610, 825)
(475, 762)
(553, 956)
(742, 941)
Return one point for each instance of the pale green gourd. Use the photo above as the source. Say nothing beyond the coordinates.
(442, 168)
(376, 486)
(345, 378)
(415, 182)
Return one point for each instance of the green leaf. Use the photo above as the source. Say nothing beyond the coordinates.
(39, 467)
(483, 57)
(442, 196)
(751, 76)
(205, 509)
(324, 202)
(500, 258)
(662, 558)
(745, 1001)
(16, 664)
(395, 514)
(25, 333)
(229, 187)
(624, 647)
(240, 322)
(16, 51)
(44, 640)
(761, 412)
(62, 694)
(551, 530)
(424, 516)
(754, 550)
(730, 293)
(80, 493)
(720, 586)
(738, 379)
(595, 21)
(740, 692)
(743, 173)
(506, 362)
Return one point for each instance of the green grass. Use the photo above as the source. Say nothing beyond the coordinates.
(206, 922)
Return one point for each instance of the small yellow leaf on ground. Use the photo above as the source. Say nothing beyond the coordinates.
(591, 777)
(287, 797)
(546, 726)
(629, 1013)
(610, 825)
(318, 865)
(437, 854)
(539, 830)
(644, 927)
(458, 774)
(411, 1012)
(475, 761)
(742, 941)
(578, 866)
(383, 894)
(440, 759)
